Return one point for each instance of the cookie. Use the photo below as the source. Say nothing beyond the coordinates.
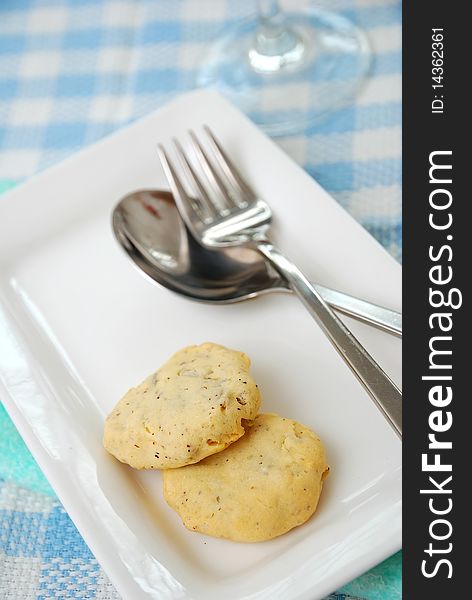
(260, 487)
(192, 407)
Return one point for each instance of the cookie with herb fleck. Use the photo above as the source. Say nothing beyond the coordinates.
(194, 406)
(263, 485)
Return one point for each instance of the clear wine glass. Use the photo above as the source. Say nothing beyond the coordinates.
(288, 70)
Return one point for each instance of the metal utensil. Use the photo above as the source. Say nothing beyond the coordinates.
(149, 228)
(223, 210)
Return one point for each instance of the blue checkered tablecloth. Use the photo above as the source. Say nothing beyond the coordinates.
(72, 71)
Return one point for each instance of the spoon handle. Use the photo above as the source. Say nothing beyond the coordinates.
(367, 312)
(378, 384)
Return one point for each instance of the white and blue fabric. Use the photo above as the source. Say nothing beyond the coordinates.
(73, 71)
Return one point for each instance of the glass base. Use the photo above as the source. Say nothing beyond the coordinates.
(287, 94)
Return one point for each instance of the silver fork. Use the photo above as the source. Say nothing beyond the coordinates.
(228, 212)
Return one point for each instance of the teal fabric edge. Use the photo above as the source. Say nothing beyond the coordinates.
(16, 461)
(383, 582)
(6, 185)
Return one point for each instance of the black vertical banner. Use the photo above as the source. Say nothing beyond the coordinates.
(437, 323)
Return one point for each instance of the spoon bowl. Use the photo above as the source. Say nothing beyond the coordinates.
(147, 225)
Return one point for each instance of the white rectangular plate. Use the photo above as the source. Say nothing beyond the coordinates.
(79, 326)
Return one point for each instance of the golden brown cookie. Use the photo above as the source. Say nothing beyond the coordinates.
(192, 407)
(260, 487)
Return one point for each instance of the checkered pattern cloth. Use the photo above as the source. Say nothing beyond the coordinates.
(72, 71)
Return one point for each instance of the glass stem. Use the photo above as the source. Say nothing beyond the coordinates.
(275, 44)
(271, 36)
(268, 9)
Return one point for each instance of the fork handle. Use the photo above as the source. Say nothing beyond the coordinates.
(378, 384)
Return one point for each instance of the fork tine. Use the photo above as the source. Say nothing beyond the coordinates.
(232, 173)
(185, 203)
(211, 173)
(198, 186)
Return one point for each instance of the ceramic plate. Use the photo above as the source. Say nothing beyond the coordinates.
(79, 325)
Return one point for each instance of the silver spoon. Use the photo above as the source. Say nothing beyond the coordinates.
(148, 226)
